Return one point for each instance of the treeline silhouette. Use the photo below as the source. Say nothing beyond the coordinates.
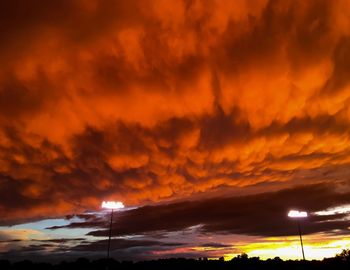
(241, 262)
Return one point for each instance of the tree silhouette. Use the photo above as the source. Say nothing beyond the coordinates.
(241, 262)
(344, 255)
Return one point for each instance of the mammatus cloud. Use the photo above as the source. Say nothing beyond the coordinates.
(146, 101)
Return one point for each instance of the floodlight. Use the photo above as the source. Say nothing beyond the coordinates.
(297, 214)
(112, 205)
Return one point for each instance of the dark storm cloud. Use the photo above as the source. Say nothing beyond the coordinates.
(117, 244)
(216, 245)
(60, 240)
(259, 214)
(76, 247)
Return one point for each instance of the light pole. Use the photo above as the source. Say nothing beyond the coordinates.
(298, 215)
(113, 206)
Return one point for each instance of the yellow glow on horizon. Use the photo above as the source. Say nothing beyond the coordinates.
(289, 248)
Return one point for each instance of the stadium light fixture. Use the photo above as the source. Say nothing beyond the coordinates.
(295, 214)
(112, 205)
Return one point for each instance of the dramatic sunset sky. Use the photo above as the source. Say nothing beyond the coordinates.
(209, 119)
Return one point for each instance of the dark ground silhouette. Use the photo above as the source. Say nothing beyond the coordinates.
(341, 261)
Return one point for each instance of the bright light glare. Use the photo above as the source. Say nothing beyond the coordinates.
(297, 214)
(112, 205)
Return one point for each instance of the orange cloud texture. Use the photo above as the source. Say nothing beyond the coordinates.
(145, 101)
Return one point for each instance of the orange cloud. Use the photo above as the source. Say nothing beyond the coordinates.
(147, 101)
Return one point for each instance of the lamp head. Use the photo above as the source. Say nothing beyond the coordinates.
(112, 205)
(297, 214)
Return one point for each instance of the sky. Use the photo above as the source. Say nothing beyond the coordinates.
(208, 119)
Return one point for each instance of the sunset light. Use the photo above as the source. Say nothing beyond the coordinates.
(200, 130)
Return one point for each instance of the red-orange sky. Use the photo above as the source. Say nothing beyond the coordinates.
(158, 101)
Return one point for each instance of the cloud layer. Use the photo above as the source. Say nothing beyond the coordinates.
(257, 215)
(146, 101)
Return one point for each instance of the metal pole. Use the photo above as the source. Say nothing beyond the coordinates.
(301, 240)
(110, 234)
